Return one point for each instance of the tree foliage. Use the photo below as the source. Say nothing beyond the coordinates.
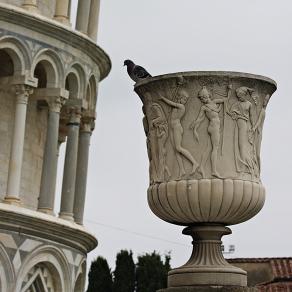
(151, 272)
(148, 275)
(99, 276)
(124, 274)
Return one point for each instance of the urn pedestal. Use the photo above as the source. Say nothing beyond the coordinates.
(204, 133)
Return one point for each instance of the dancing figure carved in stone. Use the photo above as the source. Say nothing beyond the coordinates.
(152, 171)
(160, 125)
(240, 111)
(210, 109)
(258, 130)
(177, 113)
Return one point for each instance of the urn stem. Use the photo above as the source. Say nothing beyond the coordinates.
(207, 265)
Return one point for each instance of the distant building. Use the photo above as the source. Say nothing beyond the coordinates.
(267, 274)
(49, 74)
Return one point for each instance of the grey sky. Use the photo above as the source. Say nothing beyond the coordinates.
(168, 36)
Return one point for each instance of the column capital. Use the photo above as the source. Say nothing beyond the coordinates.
(22, 92)
(55, 103)
(87, 121)
(74, 115)
(86, 126)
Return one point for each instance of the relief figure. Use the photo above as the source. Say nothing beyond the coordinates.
(152, 171)
(258, 128)
(240, 111)
(210, 109)
(176, 114)
(160, 125)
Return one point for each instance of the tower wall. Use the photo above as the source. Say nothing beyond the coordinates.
(49, 77)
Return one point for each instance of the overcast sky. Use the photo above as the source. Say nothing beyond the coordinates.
(168, 36)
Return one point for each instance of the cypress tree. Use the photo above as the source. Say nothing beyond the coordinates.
(166, 269)
(124, 274)
(151, 272)
(99, 276)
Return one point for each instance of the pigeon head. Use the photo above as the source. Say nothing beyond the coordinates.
(128, 62)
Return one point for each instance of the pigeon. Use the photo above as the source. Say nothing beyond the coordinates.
(136, 72)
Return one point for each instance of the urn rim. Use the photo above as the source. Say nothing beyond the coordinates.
(231, 74)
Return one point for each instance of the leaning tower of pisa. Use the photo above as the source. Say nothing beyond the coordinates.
(49, 74)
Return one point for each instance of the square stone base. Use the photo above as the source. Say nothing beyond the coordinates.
(211, 289)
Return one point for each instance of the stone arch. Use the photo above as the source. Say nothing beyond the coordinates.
(79, 285)
(77, 71)
(48, 62)
(7, 275)
(54, 260)
(91, 92)
(18, 53)
(72, 84)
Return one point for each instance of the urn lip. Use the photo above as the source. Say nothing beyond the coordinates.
(231, 74)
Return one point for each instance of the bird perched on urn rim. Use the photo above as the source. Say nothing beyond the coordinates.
(136, 72)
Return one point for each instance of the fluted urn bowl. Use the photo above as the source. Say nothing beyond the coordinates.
(227, 201)
(204, 132)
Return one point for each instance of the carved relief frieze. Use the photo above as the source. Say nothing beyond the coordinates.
(241, 112)
(178, 110)
(194, 124)
(210, 110)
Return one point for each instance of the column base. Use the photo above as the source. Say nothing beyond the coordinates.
(62, 19)
(207, 266)
(66, 216)
(12, 200)
(46, 211)
(211, 289)
(78, 222)
(30, 8)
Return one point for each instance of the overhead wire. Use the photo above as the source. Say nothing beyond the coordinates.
(135, 232)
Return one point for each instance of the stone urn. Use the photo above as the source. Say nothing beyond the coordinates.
(204, 132)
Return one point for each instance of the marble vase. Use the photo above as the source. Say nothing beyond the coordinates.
(204, 132)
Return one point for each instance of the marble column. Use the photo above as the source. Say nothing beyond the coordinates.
(82, 166)
(30, 5)
(93, 19)
(83, 15)
(69, 176)
(61, 140)
(50, 164)
(62, 11)
(15, 164)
